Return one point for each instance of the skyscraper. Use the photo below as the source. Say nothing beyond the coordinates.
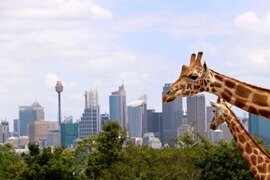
(38, 131)
(28, 114)
(16, 126)
(104, 118)
(69, 132)
(172, 114)
(196, 113)
(259, 126)
(5, 130)
(209, 117)
(90, 120)
(154, 120)
(118, 106)
(137, 117)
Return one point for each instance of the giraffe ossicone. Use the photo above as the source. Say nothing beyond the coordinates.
(258, 159)
(197, 77)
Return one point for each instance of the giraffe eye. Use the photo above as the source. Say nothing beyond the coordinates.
(193, 76)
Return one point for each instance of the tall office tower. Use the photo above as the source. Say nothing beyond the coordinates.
(259, 126)
(16, 126)
(104, 118)
(154, 120)
(54, 138)
(172, 115)
(5, 128)
(28, 114)
(90, 120)
(209, 117)
(137, 117)
(38, 131)
(118, 106)
(69, 132)
(196, 113)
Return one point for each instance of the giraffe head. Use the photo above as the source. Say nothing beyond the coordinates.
(193, 79)
(221, 110)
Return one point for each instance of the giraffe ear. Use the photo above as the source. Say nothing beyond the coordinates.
(205, 66)
(192, 59)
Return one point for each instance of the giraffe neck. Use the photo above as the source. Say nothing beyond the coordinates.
(250, 98)
(258, 160)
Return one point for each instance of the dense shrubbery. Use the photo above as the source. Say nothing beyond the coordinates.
(102, 157)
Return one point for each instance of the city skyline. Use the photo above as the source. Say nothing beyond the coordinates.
(102, 44)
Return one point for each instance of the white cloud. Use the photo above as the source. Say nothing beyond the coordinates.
(249, 22)
(56, 9)
(51, 79)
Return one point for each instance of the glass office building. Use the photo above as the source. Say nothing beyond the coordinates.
(69, 132)
(259, 127)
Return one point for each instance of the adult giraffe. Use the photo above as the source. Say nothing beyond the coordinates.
(258, 159)
(197, 77)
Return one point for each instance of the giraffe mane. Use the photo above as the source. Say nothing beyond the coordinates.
(246, 84)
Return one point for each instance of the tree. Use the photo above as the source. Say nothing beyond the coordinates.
(108, 146)
(9, 162)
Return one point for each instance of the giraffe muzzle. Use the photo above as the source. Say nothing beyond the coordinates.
(168, 98)
(213, 127)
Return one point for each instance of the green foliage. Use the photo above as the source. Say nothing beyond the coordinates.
(59, 164)
(108, 146)
(222, 161)
(102, 156)
(10, 163)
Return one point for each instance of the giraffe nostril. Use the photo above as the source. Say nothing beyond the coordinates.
(213, 127)
(168, 92)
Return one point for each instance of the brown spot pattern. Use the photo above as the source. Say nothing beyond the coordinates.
(265, 113)
(252, 109)
(219, 77)
(226, 96)
(242, 91)
(216, 84)
(259, 99)
(260, 159)
(240, 103)
(261, 168)
(248, 149)
(253, 159)
(242, 139)
(229, 83)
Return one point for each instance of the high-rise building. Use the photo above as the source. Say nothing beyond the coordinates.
(5, 130)
(196, 113)
(16, 126)
(28, 114)
(259, 126)
(104, 118)
(90, 120)
(154, 120)
(54, 138)
(137, 117)
(38, 131)
(172, 114)
(118, 106)
(69, 132)
(209, 118)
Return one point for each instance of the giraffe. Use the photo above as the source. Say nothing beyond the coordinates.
(257, 159)
(197, 77)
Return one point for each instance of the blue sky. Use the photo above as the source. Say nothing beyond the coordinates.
(103, 43)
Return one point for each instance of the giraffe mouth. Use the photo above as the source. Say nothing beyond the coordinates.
(168, 98)
(213, 127)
